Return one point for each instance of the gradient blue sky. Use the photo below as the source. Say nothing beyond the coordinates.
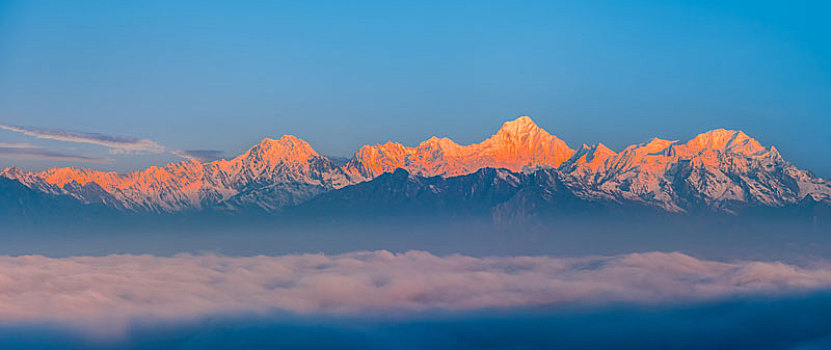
(222, 75)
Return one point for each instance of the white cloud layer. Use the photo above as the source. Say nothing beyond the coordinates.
(117, 288)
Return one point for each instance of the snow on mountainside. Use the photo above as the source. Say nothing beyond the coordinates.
(517, 144)
(272, 174)
(720, 170)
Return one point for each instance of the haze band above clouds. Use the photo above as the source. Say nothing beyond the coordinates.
(28, 151)
(118, 288)
(116, 144)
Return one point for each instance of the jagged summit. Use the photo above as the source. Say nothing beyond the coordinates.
(287, 148)
(589, 159)
(437, 143)
(11, 172)
(602, 149)
(774, 153)
(517, 144)
(598, 153)
(655, 145)
(715, 169)
(722, 140)
(520, 126)
(598, 148)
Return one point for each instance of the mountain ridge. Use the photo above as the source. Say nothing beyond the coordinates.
(719, 170)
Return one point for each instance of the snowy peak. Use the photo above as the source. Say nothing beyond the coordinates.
(191, 184)
(773, 153)
(523, 137)
(726, 142)
(520, 127)
(721, 140)
(589, 159)
(652, 147)
(594, 154)
(601, 151)
(439, 144)
(373, 160)
(713, 149)
(718, 168)
(287, 160)
(287, 149)
(62, 176)
(518, 144)
(12, 173)
(521, 143)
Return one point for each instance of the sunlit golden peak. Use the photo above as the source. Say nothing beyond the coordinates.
(600, 148)
(724, 140)
(520, 126)
(287, 147)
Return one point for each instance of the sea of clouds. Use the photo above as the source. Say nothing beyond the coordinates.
(115, 289)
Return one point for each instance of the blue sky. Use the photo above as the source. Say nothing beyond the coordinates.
(219, 76)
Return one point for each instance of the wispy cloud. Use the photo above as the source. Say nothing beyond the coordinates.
(28, 151)
(117, 144)
(118, 288)
(202, 155)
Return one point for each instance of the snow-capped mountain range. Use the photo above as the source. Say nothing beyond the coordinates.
(719, 171)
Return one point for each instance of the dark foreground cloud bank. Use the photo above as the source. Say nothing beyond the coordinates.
(106, 296)
(796, 322)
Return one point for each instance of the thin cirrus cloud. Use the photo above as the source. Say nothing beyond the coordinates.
(116, 144)
(109, 291)
(202, 155)
(29, 151)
